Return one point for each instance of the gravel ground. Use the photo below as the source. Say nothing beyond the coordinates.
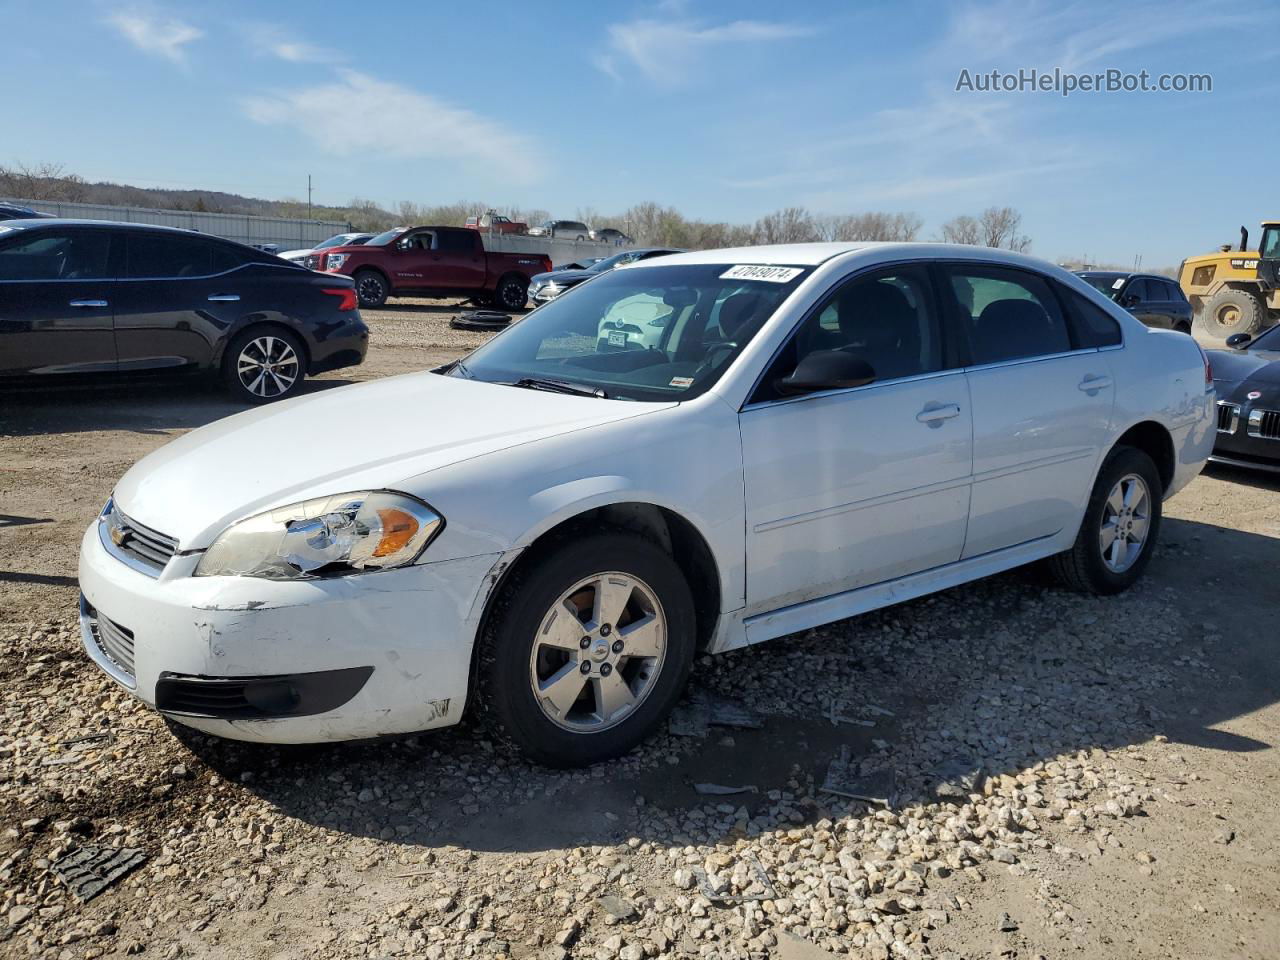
(1050, 775)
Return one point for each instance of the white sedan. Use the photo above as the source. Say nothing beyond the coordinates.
(548, 531)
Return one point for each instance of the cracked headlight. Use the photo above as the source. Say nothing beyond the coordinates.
(329, 536)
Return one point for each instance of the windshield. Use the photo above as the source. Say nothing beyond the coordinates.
(383, 239)
(1108, 286)
(340, 240)
(649, 333)
(608, 263)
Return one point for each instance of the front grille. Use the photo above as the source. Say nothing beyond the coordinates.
(150, 548)
(1265, 424)
(115, 641)
(1228, 416)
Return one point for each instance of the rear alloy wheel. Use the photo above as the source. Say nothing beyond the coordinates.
(1231, 311)
(264, 365)
(512, 293)
(371, 288)
(1120, 526)
(587, 650)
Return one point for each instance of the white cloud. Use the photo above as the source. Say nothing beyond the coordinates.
(663, 50)
(155, 34)
(274, 41)
(359, 114)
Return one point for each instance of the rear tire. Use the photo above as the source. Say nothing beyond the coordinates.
(371, 288)
(1231, 311)
(264, 364)
(586, 650)
(1125, 505)
(512, 293)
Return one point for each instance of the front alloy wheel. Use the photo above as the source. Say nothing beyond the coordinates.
(587, 648)
(598, 652)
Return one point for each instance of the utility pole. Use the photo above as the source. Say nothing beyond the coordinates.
(308, 196)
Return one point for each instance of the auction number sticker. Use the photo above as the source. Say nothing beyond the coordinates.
(748, 271)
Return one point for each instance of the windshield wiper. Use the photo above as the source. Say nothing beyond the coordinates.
(560, 386)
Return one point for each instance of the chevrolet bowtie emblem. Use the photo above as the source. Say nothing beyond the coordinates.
(117, 536)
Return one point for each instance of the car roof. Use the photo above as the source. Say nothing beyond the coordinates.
(54, 222)
(813, 254)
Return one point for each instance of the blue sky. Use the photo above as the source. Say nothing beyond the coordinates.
(724, 110)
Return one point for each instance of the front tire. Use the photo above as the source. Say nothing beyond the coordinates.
(1120, 528)
(587, 650)
(1231, 311)
(371, 288)
(263, 365)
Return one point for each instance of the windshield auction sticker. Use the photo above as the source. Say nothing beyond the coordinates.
(760, 272)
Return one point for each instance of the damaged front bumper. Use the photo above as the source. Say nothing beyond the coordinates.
(287, 661)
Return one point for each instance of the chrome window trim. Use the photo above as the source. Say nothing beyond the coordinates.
(1254, 428)
(1235, 416)
(932, 375)
(1018, 361)
(284, 265)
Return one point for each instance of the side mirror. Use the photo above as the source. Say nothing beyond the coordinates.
(1238, 341)
(1129, 300)
(826, 370)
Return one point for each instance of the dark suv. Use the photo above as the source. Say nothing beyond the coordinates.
(1156, 301)
(93, 297)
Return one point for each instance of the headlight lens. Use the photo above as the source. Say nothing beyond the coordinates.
(334, 261)
(349, 533)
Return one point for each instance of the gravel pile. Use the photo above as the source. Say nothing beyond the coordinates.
(1000, 727)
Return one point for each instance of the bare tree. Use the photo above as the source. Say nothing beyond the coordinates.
(788, 225)
(962, 229)
(45, 181)
(1000, 227)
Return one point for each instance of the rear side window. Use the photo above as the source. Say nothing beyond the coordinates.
(450, 242)
(56, 255)
(1094, 327)
(1007, 314)
(1173, 291)
(166, 256)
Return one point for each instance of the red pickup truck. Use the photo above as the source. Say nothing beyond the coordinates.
(496, 223)
(435, 262)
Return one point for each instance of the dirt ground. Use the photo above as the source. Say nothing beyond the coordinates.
(1128, 745)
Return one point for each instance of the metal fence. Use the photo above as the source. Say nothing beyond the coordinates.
(285, 232)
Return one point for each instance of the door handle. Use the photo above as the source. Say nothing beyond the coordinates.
(934, 415)
(224, 298)
(88, 303)
(1092, 384)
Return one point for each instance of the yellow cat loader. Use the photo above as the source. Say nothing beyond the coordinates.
(1235, 291)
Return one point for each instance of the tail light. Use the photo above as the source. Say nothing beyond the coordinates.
(1208, 367)
(546, 264)
(346, 295)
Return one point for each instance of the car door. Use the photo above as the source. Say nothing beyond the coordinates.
(457, 260)
(858, 486)
(1042, 403)
(411, 262)
(1143, 300)
(178, 296)
(56, 291)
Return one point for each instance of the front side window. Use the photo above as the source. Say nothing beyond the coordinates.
(886, 318)
(1008, 314)
(657, 333)
(1137, 292)
(169, 256)
(56, 255)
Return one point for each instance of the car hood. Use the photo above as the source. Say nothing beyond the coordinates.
(562, 277)
(1232, 366)
(295, 253)
(374, 435)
